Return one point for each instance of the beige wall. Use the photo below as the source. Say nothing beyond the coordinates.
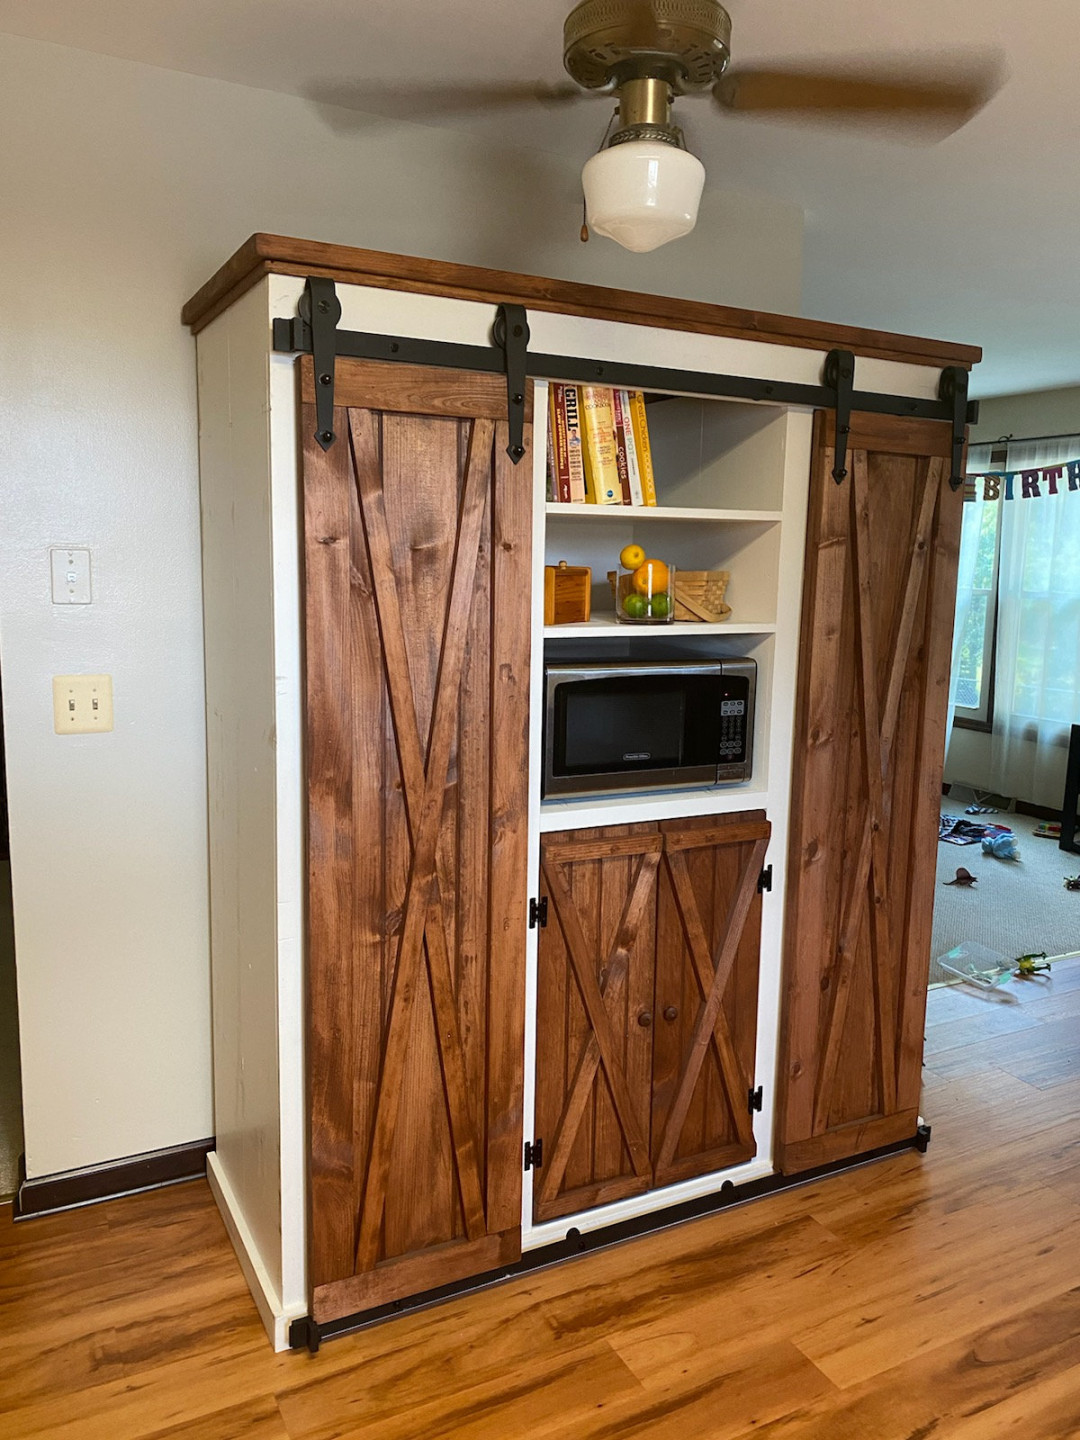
(1042, 412)
(123, 188)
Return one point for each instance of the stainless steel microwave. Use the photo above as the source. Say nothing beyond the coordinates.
(615, 725)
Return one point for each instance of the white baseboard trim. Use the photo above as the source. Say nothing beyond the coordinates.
(267, 1300)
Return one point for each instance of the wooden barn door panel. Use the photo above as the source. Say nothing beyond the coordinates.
(594, 1016)
(879, 594)
(708, 944)
(417, 535)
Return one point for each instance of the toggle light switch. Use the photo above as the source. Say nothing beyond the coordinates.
(70, 575)
(82, 704)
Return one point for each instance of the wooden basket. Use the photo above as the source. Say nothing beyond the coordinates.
(699, 595)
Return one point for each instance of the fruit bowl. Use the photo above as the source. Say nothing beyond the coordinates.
(644, 595)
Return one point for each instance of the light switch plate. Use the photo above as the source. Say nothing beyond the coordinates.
(82, 704)
(70, 568)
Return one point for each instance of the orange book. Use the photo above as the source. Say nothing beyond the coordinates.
(644, 450)
(601, 469)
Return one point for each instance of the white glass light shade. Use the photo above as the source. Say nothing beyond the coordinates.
(642, 193)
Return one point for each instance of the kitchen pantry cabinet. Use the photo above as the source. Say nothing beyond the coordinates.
(388, 1029)
(646, 1006)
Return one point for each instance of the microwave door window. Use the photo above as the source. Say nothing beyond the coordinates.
(635, 723)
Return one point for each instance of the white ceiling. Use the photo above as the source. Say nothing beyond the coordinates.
(973, 239)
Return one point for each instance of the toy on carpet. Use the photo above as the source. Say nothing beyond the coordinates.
(1048, 830)
(963, 877)
(1027, 966)
(1072, 882)
(1002, 847)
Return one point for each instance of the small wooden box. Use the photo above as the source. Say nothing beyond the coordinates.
(567, 594)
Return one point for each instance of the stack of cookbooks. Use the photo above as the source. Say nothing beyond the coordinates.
(598, 446)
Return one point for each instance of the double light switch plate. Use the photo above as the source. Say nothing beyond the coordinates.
(82, 704)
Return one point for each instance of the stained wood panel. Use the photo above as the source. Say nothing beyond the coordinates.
(595, 981)
(417, 598)
(708, 944)
(279, 254)
(646, 1006)
(873, 687)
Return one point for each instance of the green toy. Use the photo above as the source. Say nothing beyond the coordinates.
(1027, 966)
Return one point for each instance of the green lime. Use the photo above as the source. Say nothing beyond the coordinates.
(636, 607)
(659, 606)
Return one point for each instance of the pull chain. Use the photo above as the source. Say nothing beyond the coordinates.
(584, 213)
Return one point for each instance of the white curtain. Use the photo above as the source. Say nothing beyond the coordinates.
(978, 461)
(1037, 678)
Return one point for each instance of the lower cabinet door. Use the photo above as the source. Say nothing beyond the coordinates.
(646, 1019)
(708, 944)
(594, 1017)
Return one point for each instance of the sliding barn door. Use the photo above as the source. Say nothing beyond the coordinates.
(594, 1017)
(708, 946)
(416, 552)
(873, 686)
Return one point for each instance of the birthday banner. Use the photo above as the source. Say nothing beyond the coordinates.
(1025, 484)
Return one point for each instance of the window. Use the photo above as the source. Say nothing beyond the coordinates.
(974, 679)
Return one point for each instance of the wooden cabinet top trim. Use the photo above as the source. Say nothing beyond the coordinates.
(279, 254)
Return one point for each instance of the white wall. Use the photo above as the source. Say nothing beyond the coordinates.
(1039, 412)
(124, 187)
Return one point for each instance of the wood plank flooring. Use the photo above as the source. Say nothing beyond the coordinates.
(918, 1297)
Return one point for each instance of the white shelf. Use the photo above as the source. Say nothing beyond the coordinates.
(582, 814)
(556, 510)
(605, 625)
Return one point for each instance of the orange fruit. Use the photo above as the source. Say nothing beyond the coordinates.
(650, 577)
(631, 556)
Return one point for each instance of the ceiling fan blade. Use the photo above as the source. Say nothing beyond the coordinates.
(940, 99)
(397, 102)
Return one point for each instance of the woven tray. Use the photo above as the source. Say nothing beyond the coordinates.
(699, 595)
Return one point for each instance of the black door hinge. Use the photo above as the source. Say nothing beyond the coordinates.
(840, 379)
(754, 1100)
(511, 333)
(765, 880)
(538, 913)
(534, 1154)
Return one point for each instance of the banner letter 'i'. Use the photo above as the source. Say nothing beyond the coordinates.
(1009, 484)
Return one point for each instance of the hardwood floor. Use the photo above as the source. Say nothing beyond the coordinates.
(916, 1297)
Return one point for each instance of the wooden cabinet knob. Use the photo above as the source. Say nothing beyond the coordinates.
(645, 1018)
(671, 1013)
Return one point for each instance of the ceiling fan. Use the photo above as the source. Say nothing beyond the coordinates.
(643, 187)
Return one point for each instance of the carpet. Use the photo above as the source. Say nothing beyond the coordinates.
(1015, 907)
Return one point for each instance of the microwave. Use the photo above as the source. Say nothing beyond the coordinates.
(624, 725)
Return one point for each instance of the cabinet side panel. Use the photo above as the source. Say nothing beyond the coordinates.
(234, 454)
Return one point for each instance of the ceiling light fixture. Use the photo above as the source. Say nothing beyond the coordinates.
(643, 188)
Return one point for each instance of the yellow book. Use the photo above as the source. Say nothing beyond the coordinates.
(602, 486)
(644, 450)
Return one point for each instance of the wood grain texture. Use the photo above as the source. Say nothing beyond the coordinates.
(877, 623)
(930, 1296)
(414, 390)
(414, 524)
(596, 964)
(278, 254)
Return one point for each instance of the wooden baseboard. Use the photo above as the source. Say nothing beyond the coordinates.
(1040, 812)
(49, 1193)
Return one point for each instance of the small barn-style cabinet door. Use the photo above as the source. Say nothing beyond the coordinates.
(594, 1016)
(879, 595)
(708, 945)
(416, 558)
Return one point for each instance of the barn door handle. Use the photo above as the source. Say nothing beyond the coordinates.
(645, 1019)
(671, 1013)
